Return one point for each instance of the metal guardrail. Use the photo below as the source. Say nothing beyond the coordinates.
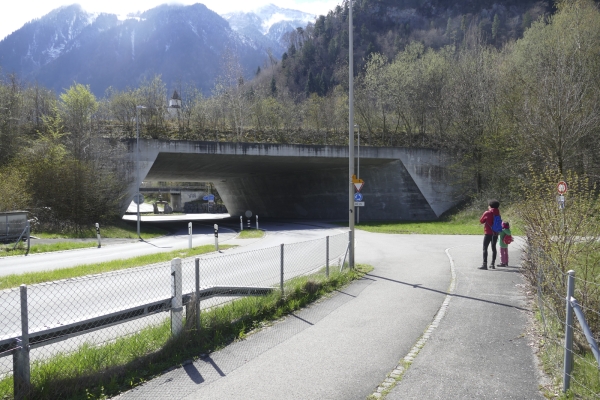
(32, 314)
(70, 330)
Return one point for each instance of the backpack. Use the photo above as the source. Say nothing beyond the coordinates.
(508, 239)
(497, 226)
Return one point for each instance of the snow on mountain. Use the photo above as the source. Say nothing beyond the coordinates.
(267, 25)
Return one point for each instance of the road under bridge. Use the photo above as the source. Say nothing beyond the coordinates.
(304, 181)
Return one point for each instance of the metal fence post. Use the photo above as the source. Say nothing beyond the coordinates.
(197, 297)
(176, 292)
(281, 283)
(21, 367)
(327, 257)
(569, 333)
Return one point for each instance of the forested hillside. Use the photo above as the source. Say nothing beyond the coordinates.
(502, 103)
(318, 55)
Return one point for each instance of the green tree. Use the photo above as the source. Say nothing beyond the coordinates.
(77, 105)
(552, 90)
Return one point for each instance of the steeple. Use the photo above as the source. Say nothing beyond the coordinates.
(175, 101)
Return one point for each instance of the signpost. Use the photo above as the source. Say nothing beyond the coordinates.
(358, 197)
(562, 189)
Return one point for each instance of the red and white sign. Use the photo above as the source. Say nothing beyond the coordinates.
(562, 187)
(358, 185)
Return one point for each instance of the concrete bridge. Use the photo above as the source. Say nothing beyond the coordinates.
(305, 181)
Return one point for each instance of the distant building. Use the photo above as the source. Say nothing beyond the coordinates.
(174, 105)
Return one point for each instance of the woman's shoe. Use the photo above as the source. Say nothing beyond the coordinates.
(483, 266)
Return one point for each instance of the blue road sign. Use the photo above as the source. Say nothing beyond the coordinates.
(209, 197)
(358, 196)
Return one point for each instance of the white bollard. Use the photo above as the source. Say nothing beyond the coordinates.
(241, 223)
(216, 237)
(190, 234)
(257, 222)
(98, 235)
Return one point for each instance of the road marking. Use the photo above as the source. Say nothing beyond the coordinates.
(396, 375)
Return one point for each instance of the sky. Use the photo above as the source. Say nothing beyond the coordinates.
(17, 12)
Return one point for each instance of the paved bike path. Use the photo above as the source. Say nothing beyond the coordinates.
(345, 346)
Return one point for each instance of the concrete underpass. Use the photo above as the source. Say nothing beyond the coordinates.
(304, 181)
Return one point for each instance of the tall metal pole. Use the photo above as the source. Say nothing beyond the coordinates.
(351, 135)
(358, 170)
(137, 125)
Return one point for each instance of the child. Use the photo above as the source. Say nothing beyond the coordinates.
(504, 246)
(489, 236)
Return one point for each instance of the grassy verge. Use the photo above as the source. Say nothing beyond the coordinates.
(7, 250)
(11, 281)
(96, 372)
(251, 234)
(116, 229)
(465, 222)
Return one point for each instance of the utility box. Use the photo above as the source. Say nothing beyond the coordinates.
(12, 224)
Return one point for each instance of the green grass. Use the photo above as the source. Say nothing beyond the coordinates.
(465, 222)
(7, 250)
(251, 234)
(11, 281)
(97, 372)
(116, 229)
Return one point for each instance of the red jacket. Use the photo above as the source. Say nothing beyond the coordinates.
(488, 220)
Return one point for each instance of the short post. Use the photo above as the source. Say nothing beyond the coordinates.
(176, 293)
(190, 234)
(98, 235)
(197, 290)
(569, 333)
(28, 237)
(257, 222)
(327, 256)
(216, 237)
(21, 368)
(248, 222)
(281, 281)
(241, 223)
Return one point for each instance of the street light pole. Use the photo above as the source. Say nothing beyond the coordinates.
(351, 134)
(137, 124)
(358, 170)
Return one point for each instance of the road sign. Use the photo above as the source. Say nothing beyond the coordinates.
(359, 204)
(209, 197)
(358, 197)
(562, 187)
(561, 201)
(138, 198)
(358, 183)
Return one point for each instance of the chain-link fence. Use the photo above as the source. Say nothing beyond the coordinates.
(568, 310)
(45, 322)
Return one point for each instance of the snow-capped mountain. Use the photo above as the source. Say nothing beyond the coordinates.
(182, 43)
(267, 25)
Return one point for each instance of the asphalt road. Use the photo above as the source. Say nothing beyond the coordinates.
(203, 233)
(344, 347)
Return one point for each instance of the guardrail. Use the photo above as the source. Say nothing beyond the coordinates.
(256, 267)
